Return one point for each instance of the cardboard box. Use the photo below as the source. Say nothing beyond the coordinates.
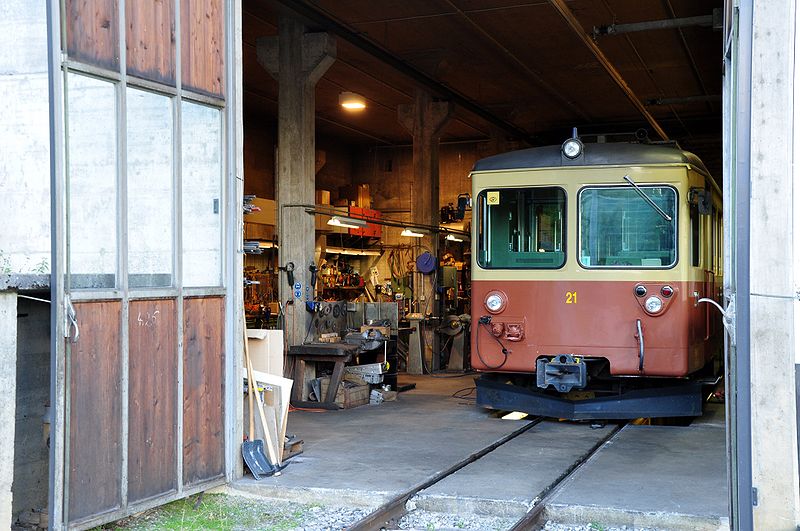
(267, 214)
(356, 193)
(257, 231)
(323, 197)
(266, 350)
(353, 391)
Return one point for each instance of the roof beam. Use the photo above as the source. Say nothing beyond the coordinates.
(313, 14)
(573, 23)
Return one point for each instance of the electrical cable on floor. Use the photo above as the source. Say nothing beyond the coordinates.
(465, 393)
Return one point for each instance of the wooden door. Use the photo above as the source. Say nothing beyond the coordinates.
(140, 379)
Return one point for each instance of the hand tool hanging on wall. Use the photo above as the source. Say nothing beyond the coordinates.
(289, 268)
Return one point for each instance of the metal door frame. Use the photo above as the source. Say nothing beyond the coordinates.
(737, 57)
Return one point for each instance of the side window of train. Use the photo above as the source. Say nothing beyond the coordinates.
(620, 229)
(522, 228)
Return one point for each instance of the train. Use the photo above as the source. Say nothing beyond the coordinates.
(589, 263)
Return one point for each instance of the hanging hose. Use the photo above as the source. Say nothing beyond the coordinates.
(485, 322)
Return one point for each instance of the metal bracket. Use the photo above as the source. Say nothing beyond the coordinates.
(728, 316)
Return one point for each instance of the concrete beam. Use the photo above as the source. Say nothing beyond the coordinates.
(297, 60)
(8, 382)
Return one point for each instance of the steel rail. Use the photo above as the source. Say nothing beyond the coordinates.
(392, 511)
(531, 520)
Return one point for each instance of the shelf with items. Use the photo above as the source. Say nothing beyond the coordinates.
(260, 273)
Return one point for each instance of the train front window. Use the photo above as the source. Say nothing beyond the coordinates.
(618, 228)
(521, 228)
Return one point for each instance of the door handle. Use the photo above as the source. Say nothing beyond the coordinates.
(640, 337)
(73, 332)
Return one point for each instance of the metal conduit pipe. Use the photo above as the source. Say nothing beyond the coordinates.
(669, 23)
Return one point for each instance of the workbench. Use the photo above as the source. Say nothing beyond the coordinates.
(338, 353)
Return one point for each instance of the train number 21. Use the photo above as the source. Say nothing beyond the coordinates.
(572, 297)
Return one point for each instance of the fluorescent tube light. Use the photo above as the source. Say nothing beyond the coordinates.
(350, 223)
(352, 252)
(411, 234)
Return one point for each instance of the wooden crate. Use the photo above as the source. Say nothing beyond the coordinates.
(353, 392)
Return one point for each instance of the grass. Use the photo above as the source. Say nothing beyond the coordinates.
(217, 512)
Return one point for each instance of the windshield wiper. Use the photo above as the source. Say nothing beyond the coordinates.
(649, 201)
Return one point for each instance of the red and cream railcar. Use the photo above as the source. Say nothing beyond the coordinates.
(588, 262)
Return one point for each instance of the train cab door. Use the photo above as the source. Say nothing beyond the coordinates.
(702, 235)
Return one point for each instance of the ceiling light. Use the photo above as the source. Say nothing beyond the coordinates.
(411, 234)
(353, 252)
(452, 238)
(352, 101)
(350, 223)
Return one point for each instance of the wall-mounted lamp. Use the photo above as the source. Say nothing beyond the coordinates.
(350, 223)
(352, 101)
(411, 234)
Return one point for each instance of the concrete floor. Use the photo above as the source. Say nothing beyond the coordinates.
(662, 477)
(653, 476)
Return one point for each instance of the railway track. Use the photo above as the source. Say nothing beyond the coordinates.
(388, 515)
(532, 519)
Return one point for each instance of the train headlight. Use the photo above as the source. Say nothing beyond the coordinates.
(653, 305)
(572, 148)
(495, 302)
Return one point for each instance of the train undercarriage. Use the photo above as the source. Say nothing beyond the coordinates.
(572, 388)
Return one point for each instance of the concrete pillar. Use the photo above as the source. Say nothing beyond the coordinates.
(8, 383)
(297, 60)
(424, 119)
(776, 499)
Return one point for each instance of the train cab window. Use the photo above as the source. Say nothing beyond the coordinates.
(619, 228)
(521, 228)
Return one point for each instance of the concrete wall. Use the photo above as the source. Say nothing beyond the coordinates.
(388, 172)
(8, 380)
(32, 399)
(774, 176)
(24, 157)
(259, 160)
